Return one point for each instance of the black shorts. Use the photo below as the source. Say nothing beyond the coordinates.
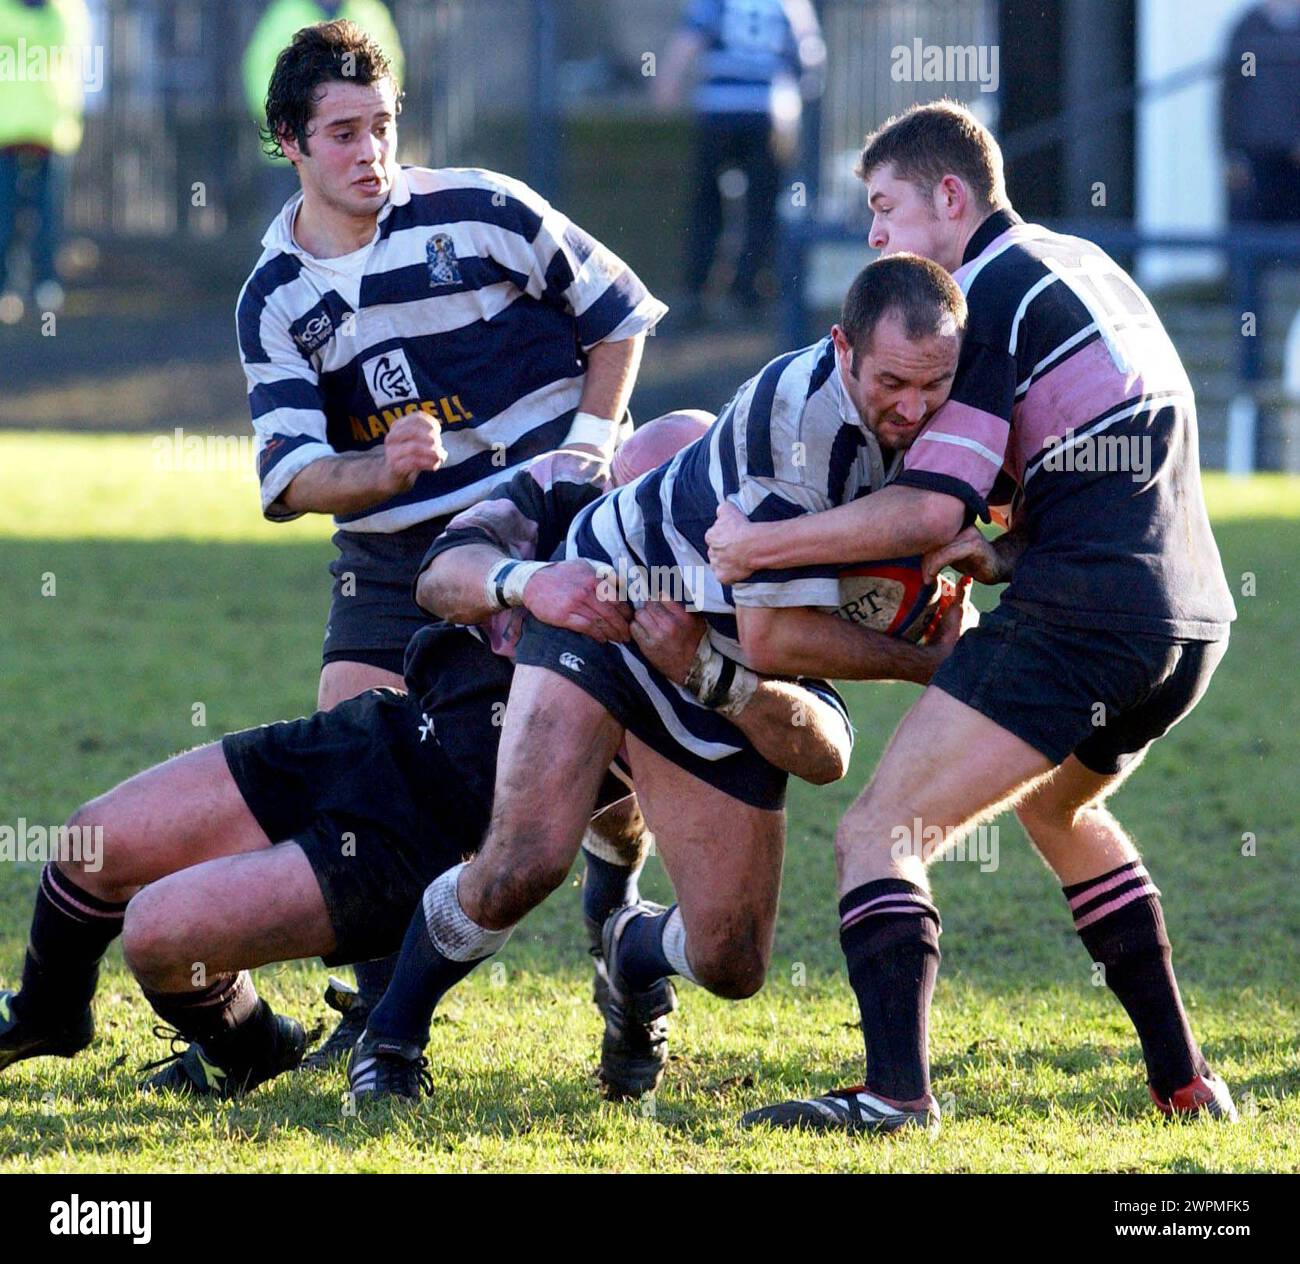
(1103, 697)
(372, 612)
(387, 790)
(656, 711)
(371, 799)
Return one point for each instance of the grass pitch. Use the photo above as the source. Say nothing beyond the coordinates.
(148, 609)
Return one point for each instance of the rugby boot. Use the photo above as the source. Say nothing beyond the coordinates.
(852, 1110)
(380, 1067)
(634, 1048)
(24, 1035)
(189, 1069)
(1205, 1095)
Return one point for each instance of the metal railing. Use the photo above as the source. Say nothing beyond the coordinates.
(1249, 250)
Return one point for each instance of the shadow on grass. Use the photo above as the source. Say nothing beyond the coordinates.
(497, 1105)
(104, 677)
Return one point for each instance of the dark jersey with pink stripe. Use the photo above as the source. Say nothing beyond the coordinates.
(1071, 403)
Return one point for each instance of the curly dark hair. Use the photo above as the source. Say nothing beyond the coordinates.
(328, 52)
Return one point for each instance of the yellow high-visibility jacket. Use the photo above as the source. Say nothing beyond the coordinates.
(45, 63)
(283, 19)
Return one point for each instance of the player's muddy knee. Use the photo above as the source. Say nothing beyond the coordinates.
(497, 895)
(734, 970)
(150, 946)
(86, 856)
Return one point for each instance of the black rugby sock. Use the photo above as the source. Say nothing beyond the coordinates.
(227, 1017)
(889, 931)
(1119, 918)
(606, 887)
(373, 978)
(70, 932)
(642, 957)
(421, 978)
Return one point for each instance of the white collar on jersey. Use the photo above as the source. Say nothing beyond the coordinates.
(279, 236)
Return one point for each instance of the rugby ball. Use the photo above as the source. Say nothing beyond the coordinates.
(891, 597)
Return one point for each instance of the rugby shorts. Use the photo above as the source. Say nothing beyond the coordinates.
(1101, 696)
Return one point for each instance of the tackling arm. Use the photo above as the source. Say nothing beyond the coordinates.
(893, 522)
(797, 641)
(797, 731)
(988, 561)
(454, 586)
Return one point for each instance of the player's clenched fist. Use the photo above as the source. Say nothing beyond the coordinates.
(728, 540)
(668, 635)
(971, 554)
(413, 445)
(570, 595)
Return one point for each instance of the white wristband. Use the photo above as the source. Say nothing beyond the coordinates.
(719, 683)
(593, 432)
(504, 584)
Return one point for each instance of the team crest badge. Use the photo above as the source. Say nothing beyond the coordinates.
(444, 267)
(389, 378)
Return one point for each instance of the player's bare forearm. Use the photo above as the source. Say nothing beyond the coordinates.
(802, 642)
(347, 483)
(564, 594)
(611, 374)
(1010, 545)
(797, 731)
(893, 522)
(971, 553)
(353, 481)
(451, 587)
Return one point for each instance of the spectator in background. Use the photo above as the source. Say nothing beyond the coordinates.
(275, 30)
(756, 60)
(1261, 114)
(47, 43)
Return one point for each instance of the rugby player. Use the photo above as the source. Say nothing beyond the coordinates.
(411, 337)
(1071, 402)
(800, 436)
(317, 837)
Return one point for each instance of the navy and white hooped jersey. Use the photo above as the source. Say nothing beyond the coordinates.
(475, 303)
(528, 518)
(789, 443)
